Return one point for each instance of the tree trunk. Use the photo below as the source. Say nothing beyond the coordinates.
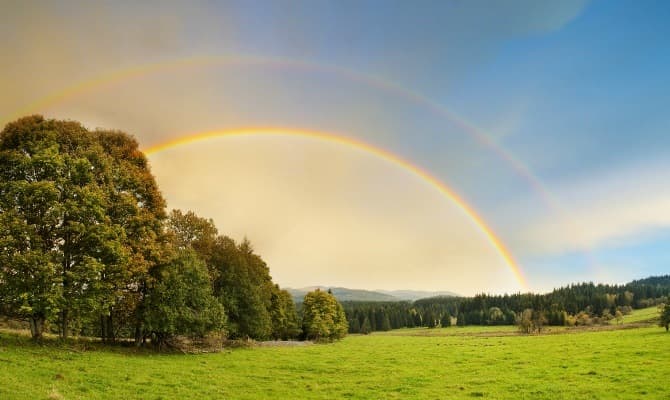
(36, 327)
(65, 324)
(139, 340)
(103, 328)
(66, 284)
(111, 337)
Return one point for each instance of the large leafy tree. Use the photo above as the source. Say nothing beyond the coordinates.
(83, 209)
(49, 189)
(323, 316)
(138, 208)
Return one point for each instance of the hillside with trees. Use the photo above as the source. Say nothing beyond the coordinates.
(577, 304)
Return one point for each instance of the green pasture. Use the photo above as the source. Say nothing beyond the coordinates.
(649, 314)
(459, 363)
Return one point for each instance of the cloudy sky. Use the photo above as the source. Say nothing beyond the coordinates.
(539, 130)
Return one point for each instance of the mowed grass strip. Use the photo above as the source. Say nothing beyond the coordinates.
(621, 364)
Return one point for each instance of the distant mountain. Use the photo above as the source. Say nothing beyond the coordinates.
(417, 294)
(345, 294)
(662, 280)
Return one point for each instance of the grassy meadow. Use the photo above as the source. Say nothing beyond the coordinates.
(649, 314)
(449, 363)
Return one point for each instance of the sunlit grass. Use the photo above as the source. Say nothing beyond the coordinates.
(620, 364)
(650, 314)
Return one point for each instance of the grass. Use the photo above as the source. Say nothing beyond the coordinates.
(649, 314)
(457, 363)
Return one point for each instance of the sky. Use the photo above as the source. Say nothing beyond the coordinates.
(471, 146)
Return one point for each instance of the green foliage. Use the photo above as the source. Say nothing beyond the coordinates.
(365, 327)
(240, 280)
(665, 317)
(179, 301)
(53, 187)
(525, 321)
(445, 321)
(323, 317)
(285, 324)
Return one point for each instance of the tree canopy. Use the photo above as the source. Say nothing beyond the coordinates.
(323, 316)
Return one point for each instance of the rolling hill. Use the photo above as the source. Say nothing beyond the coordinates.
(346, 294)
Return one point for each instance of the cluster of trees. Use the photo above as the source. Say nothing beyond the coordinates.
(87, 248)
(579, 304)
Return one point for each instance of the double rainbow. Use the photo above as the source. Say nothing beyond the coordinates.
(372, 81)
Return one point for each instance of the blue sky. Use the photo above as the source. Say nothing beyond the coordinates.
(576, 91)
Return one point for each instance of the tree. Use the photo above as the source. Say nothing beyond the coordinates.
(137, 207)
(524, 321)
(28, 275)
(386, 323)
(284, 318)
(445, 321)
(619, 316)
(429, 319)
(53, 178)
(354, 325)
(460, 320)
(179, 300)
(365, 326)
(495, 316)
(665, 317)
(323, 316)
(240, 278)
(539, 320)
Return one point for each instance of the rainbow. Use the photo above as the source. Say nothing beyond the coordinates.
(356, 144)
(369, 80)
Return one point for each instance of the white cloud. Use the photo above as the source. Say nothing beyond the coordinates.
(603, 209)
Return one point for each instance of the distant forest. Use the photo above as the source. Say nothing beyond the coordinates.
(577, 304)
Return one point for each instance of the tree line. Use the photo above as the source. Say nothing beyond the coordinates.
(88, 248)
(577, 304)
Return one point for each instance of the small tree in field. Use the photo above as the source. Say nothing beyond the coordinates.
(524, 321)
(665, 317)
(539, 320)
(323, 317)
(619, 317)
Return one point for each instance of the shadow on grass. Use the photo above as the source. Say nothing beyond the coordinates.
(22, 339)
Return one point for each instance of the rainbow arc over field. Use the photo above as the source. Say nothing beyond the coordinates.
(521, 169)
(372, 81)
(367, 148)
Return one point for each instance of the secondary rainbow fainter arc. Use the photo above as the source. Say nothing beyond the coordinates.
(373, 81)
(368, 148)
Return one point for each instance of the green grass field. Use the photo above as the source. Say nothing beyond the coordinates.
(450, 363)
(642, 315)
